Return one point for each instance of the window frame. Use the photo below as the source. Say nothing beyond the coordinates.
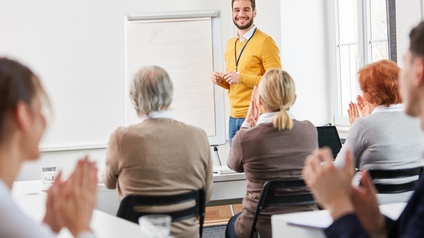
(364, 51)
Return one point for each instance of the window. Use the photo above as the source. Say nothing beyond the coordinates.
(358, 36)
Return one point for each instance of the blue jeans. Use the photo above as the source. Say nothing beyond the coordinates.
(230, 232)
(233, 126)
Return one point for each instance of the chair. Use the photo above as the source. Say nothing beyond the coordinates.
(279, 193)
(127, 212)
(395, 173)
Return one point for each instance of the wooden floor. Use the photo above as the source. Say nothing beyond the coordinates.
(219, 215)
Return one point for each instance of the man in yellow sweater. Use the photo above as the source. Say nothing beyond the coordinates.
(248, 56)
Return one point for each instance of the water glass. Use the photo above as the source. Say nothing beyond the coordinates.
(155, 225)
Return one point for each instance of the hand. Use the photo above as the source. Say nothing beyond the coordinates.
(353, 112)
(253, 111)
(78, 197)
(232, 77)
(52, 216)
(363, 106)
(365, 202)
(331, 186)
(216, 77)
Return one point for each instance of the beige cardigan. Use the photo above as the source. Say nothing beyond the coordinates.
(160, 157)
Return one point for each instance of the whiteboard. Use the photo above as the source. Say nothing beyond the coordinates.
(184, 44)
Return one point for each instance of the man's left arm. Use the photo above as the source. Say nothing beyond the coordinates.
(270, 56)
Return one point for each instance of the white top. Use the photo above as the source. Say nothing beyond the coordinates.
(264, 118)
(16, 224)
(158, 114)
(246, 35)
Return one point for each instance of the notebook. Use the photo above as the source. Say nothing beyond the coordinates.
(328, 136)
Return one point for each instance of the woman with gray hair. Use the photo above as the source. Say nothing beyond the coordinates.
(159, 155)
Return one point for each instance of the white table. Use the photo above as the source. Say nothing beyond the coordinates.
(281, 226)
(227, 189)
(30, 197)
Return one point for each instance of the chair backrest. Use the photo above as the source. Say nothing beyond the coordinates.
(126, 208)
(392, 174)
(279, 193)
(329, 136)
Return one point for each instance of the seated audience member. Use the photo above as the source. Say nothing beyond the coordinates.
(159, 155)
(269, 147)
(70, 202)
(355, 209)
(384, 137)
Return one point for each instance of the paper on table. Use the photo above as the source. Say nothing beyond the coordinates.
(223, 170)
(319, 220)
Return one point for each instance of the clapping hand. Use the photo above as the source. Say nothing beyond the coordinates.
(70, 203)
(331, 186)
(362, 108)
(253, 111)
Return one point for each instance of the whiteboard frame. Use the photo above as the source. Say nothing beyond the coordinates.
(220, 127)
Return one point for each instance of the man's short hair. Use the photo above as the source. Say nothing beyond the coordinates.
(252, 1)
(416, 44)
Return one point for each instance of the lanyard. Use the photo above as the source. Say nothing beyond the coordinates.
(242, 49)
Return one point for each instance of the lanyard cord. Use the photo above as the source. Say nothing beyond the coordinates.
(242, 49)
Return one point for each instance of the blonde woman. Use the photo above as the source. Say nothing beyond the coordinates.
(271, 146)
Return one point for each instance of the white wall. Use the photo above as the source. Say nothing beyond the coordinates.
(305, 57)
(91, 19)
(408, 15)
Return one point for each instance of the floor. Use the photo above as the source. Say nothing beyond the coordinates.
(214, 231)
(216, 219)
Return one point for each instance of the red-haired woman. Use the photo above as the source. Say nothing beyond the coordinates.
(384, 137)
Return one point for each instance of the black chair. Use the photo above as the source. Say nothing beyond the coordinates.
(127, 212)
(395, 173)
(277, 193)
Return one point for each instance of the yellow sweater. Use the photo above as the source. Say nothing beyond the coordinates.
(260, 54)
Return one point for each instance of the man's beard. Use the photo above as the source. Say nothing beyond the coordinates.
(247, 26)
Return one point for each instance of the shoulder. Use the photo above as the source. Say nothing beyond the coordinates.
(186, 128)
(304, 125)
(262, 35)
(231, 41)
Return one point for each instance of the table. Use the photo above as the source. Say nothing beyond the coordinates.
(282, 224)
(29, 195)
(227, 189)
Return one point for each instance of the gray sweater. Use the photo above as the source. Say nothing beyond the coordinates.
(385, 139)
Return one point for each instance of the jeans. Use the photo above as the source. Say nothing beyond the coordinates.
(234, 125)
(230, 232)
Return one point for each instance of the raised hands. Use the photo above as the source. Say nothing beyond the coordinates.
(366, 207)
(71, 202)
(353, 112)
(331, 186)
(360, 109)
(253, 111)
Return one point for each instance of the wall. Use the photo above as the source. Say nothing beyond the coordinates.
(408, 15)
(305, 55)
(85, 22)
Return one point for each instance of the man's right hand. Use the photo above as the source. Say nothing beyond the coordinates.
(216, 77)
